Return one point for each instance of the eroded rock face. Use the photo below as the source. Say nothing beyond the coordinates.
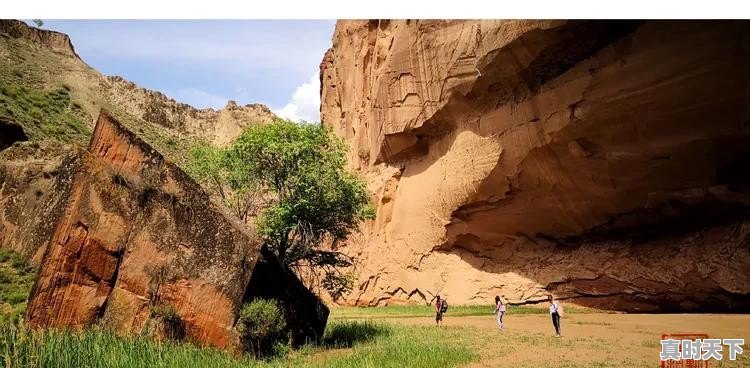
(35, 182)
(57, 41)
(602, 161)
(137, 232)
(216, 126)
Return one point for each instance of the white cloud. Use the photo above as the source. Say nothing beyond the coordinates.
(305, 102)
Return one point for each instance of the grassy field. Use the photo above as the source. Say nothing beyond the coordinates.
(408, 311)
(346, 344)
(395, 339)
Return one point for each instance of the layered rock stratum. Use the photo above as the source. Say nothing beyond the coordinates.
(603, 161)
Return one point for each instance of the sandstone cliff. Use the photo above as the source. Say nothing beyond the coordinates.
(603, 161)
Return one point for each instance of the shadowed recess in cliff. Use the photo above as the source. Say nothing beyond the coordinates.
(10, 132)
(691, 265)
(305, 313)
(598, 182)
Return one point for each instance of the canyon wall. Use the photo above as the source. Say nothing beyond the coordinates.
(603, 161)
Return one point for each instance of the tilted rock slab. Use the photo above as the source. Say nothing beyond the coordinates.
(604, 161)
(137, 232)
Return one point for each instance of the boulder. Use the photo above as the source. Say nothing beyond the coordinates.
(137, 237)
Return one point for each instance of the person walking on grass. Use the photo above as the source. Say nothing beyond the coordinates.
(499, 311)
(555, 311)
(441, 306)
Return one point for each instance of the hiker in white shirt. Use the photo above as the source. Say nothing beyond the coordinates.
(499, 311)
(556, 311)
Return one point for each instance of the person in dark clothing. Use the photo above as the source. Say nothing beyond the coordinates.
(555, 311)
(438, 310)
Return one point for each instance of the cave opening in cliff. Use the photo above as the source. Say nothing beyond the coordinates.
(10, 132)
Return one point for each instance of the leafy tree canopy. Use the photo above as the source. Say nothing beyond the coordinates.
(307, 196)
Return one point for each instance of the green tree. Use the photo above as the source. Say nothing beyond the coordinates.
(208, 166)
(309, 198)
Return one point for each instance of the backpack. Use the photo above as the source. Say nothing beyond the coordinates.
(443, 306)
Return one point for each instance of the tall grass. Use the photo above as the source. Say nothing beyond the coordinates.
(16, 279)
(355, 344)
(22, 347)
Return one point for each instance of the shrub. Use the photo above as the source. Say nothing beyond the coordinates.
(164, 312)
(166, 322)
(150, 184)
(364, 154)
(261, 326)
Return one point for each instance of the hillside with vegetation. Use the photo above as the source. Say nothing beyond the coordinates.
(53, 94)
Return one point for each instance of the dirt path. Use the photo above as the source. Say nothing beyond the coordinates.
(596, 340)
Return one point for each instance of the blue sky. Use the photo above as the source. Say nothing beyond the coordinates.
(206, 63)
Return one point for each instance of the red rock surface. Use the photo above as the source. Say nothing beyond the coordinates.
(137, 232)
(602, 161)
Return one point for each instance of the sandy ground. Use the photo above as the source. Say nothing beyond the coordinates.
(591, 340)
